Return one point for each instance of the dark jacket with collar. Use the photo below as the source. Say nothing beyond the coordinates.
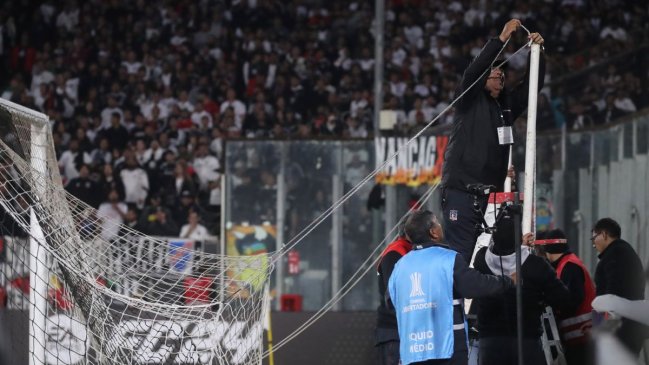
(473, 154)
(620, 272)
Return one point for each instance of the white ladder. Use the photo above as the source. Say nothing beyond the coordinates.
(552, 339)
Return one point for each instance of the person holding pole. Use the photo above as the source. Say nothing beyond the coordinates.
(478, 147)
(497, 315)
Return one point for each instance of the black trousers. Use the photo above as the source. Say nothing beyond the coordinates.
(460, 220)
(388, 353)
(632, 334)
(459, 358)
(387, 345)
(578, 354)
(503, 351)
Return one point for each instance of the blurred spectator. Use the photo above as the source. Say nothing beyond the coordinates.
(160, 224)
(193, 229)
(109, 181)
(115, 132)
(136, 182)
(117, 72)
(206, 166)
(112, 213)
(85, 189)
(70, 160)
(100, 155)
(187, 204)
(154, 204)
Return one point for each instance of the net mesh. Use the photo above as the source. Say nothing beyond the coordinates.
(124, 298)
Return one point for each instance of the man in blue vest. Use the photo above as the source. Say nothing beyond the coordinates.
(426, 288)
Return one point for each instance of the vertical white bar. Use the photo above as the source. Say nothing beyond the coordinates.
(530, 153)
(221, 270)
(508, 180)
(336, 239)
(379, 21)
(390, 209)
(38, 269)
(281, 215)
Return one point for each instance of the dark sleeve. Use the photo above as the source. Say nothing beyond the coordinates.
(555, 293)
(387, 266)
(614, 280)
(470, 283)
(520, 92)
(477, 67)
(572, 277)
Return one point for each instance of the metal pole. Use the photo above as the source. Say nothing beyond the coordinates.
(508, 180)
(519, 279)
(336, 239)
(530, 152)
(38, 264)
(281, 218)
(222, 253)
(379, 22)
(390, 208)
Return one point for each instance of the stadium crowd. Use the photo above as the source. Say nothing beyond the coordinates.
(142, 95)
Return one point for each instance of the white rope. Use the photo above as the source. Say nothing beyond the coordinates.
(363, 269)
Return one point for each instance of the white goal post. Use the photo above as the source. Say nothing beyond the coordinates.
(96, 297)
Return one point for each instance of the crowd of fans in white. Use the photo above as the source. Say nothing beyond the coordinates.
(142, 94)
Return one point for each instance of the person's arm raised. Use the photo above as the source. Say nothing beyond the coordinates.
(487, 55)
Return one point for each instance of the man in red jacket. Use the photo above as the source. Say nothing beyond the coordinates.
(387, 334)
(574, 325)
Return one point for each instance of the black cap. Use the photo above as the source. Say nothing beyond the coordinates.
(504, 236)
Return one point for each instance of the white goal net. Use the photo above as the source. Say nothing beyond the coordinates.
(130, 299)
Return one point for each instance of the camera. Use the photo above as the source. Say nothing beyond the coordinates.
(480, 189)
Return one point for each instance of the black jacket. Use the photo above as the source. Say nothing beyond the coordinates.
(541, 287)
(620, 272)
(473, 154)
(386, 318)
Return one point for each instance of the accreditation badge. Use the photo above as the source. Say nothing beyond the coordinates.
(505, 135)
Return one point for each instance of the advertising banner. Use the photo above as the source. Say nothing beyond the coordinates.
(421, 163)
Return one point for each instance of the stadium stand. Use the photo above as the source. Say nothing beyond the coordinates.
(142, 96)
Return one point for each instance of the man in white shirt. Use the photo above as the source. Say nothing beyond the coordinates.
(68, 160)
(206, 166)
(199, 114)
(107, 113)
(136, 182)
(112, 214)
(238, 107)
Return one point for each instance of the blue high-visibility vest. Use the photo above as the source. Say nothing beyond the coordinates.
(421, 289)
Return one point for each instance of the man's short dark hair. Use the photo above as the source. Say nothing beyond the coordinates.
(608, 225)
(418, 226)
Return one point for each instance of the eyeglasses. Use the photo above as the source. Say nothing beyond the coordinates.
(592, 239)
